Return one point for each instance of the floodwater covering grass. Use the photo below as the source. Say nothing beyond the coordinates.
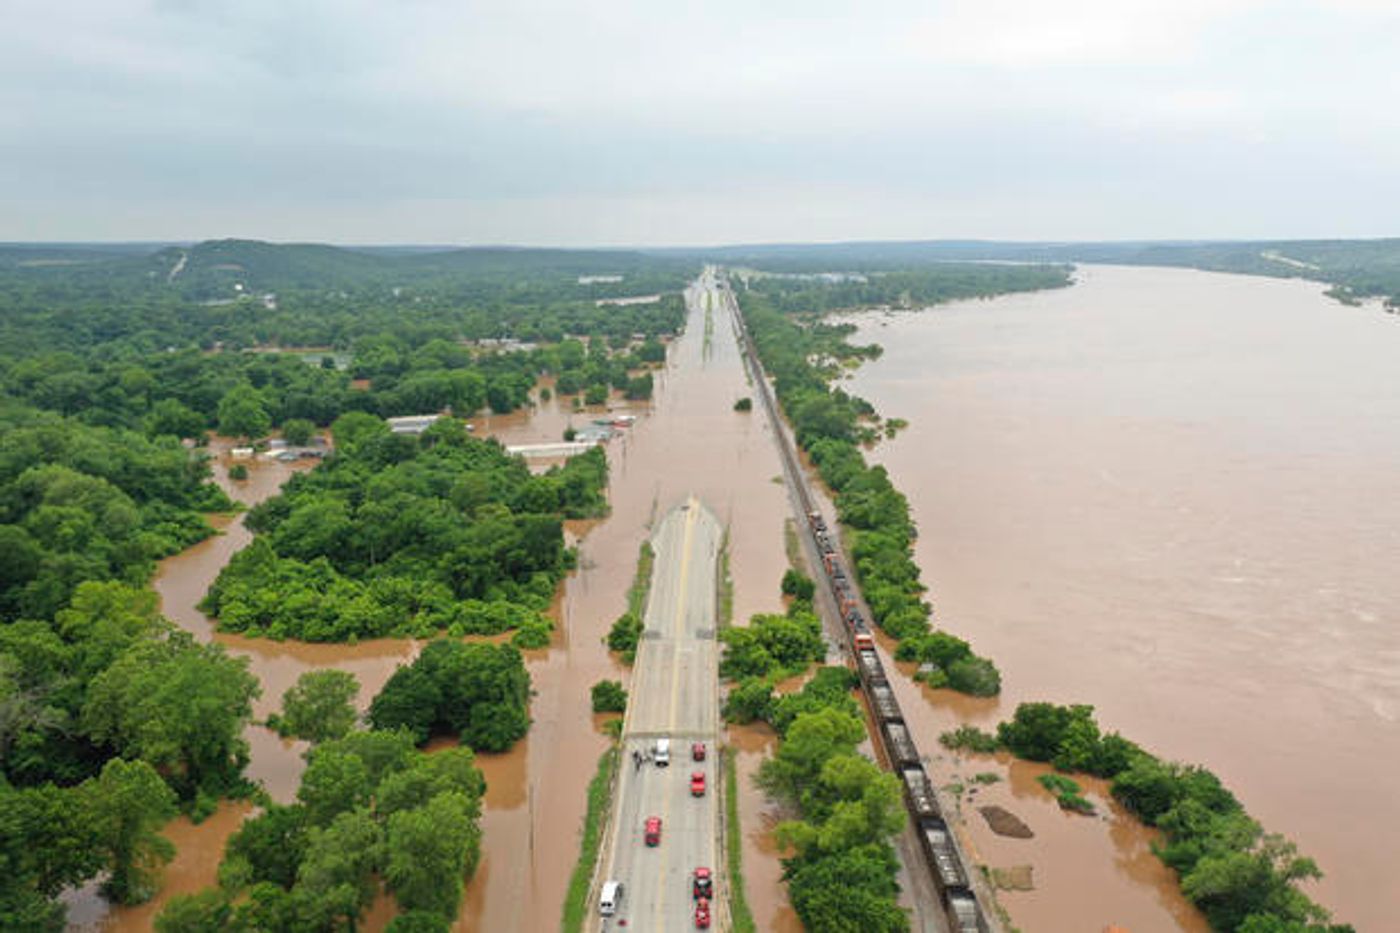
(599, 796)
(793, 546)
(739, 912)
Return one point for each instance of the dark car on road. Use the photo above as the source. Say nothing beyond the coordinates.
(701, 884)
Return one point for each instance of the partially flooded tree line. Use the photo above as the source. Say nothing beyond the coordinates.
(372, 808)
(1241, 877)
(805, 357)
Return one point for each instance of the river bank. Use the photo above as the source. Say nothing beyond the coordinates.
(1166, 493)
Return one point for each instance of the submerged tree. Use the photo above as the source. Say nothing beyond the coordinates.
(128, 804)
(319, 706)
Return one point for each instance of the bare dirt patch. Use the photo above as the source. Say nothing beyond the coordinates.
(1005, 823)
(1015, 878)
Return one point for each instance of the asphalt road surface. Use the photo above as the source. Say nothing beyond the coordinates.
(675, 695)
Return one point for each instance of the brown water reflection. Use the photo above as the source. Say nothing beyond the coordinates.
(1173, 495)
(763, 870)
(198, 850)
(687, 440)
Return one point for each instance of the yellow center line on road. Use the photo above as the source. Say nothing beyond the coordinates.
(677, 631)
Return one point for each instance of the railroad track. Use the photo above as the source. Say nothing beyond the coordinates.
(944, 860)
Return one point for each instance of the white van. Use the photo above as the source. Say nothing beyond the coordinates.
(610, 898)
(662, 755)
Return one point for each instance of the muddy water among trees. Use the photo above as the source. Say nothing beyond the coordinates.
(688, 440)
(1174, 495)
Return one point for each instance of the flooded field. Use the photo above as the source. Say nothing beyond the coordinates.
(1173, 495)
(687, 440)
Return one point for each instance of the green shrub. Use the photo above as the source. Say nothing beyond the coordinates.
(798, 585)
(975, 676)
(749, 701)
(777, 645)
(970, 738)
(480, 692)
(609, 697)
(624, 636)
(534, 634)
(1067, 792)
(298, 431)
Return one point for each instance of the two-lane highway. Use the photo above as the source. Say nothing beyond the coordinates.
(674, 696)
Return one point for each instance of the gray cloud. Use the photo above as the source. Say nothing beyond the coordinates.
(644, 122)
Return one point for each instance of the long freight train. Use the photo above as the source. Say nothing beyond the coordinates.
(960, 904)
(949, 875)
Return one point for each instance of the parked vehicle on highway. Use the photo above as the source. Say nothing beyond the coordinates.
(662, 754)
(702, 914)
(610, 898)
(653, 830)
(697, 751)
(701, 884)
(697, 784)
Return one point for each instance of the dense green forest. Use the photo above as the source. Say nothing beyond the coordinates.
(111, 719)
(239, 293)
(371, 808)
(112, 343)
(404, 535)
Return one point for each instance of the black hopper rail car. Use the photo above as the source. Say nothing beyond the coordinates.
(937, 841)
(918, 792)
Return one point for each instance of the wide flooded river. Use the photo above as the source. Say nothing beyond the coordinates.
(688, 440)
(1174, 495)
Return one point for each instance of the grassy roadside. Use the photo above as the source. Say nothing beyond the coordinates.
(726, 586)
(734, 850)
(709, 324)
(641, 583)
(599, 796)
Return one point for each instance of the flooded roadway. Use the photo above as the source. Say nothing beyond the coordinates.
(674, 696)
(688, 439)
(1174, 495)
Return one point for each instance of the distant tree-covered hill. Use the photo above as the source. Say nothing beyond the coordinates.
(249, 293)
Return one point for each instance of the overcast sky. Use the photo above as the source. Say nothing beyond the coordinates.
(659, 122)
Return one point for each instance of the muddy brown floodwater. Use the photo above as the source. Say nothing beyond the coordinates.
(1174, 495)
(687, 440)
